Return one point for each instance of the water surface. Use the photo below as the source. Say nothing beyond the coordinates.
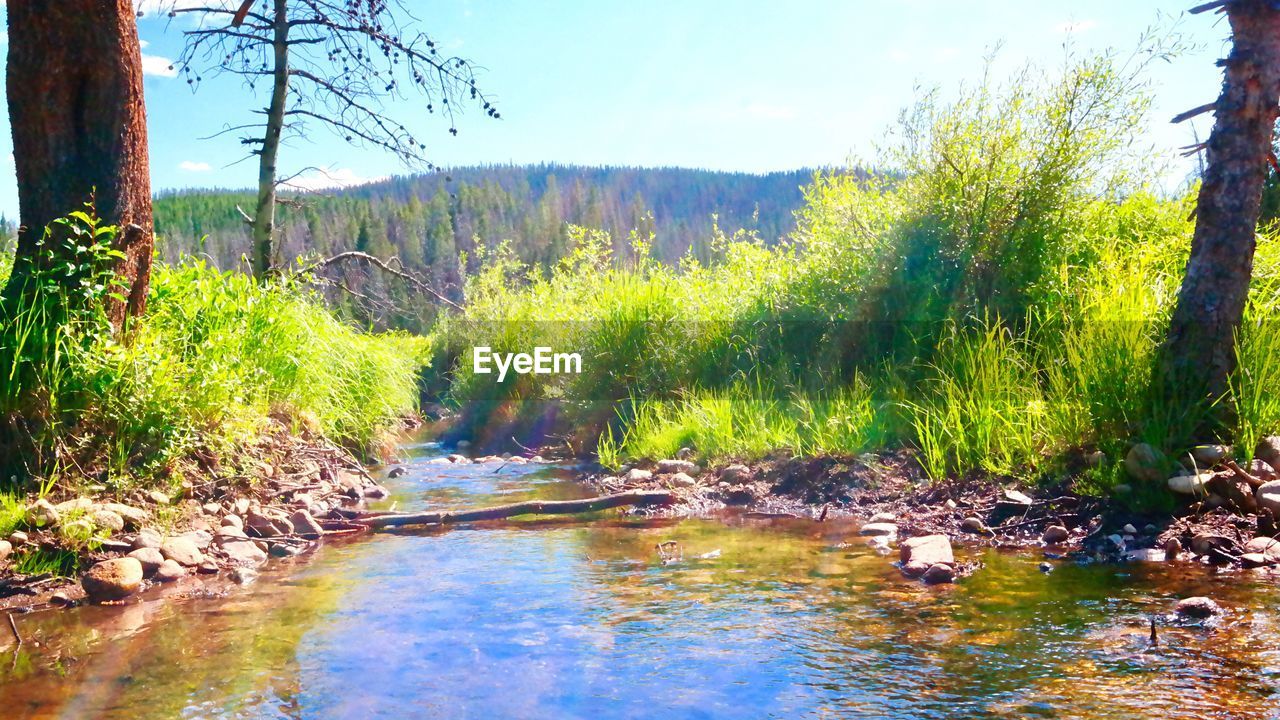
(580, 618)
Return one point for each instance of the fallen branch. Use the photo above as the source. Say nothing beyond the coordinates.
(639, 498)
(385, 267)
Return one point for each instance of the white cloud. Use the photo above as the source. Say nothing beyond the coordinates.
(191, 166)
(330, 180)
(1076, 27)
(158, 66)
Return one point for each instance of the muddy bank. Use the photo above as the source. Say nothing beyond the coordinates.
(220, 525)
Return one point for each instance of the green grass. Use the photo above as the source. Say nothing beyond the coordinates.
(994, 300)
(215, 357)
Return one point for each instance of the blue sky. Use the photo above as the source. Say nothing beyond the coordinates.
(738, 85)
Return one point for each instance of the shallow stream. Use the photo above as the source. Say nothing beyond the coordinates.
(575, 618)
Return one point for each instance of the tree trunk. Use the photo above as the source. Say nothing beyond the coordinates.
(264, 218)
(80, 131)
(1200, 351)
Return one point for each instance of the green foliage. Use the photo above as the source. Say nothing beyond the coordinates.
(216, 355)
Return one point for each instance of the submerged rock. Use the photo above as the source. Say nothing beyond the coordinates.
(113, 579)
(396, 472)
(880, 529)
(940, 573)
(1198, 607)
(882, 517)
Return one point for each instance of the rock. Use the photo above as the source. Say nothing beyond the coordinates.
(1268, 450)
(1255, 560)
(375, 491)
(229, 533)
(6, 549)
(1145, 463)
(1046, 568)
(150, 558)
(883, 517)
(974, 525)
(1017, 498)
(283, 550)
(169, 571)
(915, 569)
(1129, 529)
(1269, 547)
(41, 513)
(267, 523)
(113, 579)
(76, 504)
(201, 538)
(211, 508)
(61, 597)
(879, 529)
(1117, 541)
(1146, 555)
(636, 475)
(1197, 607)
(208, 567)
(939, 573)
(147, 539)
(459, 459)
(1268, 496)
(735, 473)
(1203, 543)
(305, 525)
(1122, 489)
(1262, 470)
(1208, 456)
(233, 521)
(18, 538)
(244, 553)
(684, 453)
(949, 504)
(158, 497)
(107, 520)
(1095, 458)
(668, 467)
(240, 506)
(182, 550)
(681, 480)
(1172, 548)
(927, 550)
(1190, 483)
(243, 576)
(396, 472)
(1055, 534)
(134, 518)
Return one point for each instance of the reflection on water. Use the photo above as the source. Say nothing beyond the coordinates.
(568, 619)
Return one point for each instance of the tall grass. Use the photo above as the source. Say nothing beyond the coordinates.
(214, 358)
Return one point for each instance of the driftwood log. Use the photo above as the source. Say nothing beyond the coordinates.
(638, 498)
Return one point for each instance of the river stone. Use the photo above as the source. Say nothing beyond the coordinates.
(76, 504)
(1270, 547)
(107, 520)
(880, 529)
(305, 525)
(396, 472)
(133, 517)
(735, 473)
(460, 459)
(229, 533)
(882, 517)
(937, 574)
(1145, 463)
(41, 513)
(1207, 456)
(1055, 534)
(18, 538)
(1268, 496)
(159, 498)
(244, 553)
(113, 579)
(927, 550)
(1197, 607)
(284, 550)
(267, 523)
(6, 549)
(241, 506)
(1262, 470)
(1190, 483)
(1172, 548)
(151, 559)
(1203, 543)
(1268, 450)
(147, 539)
(668, 467)
(211, 508)
(681, 480)
(974, 525)
(636, 475)
(182, 550)
(233, 521)
(375, 491)
(169, 571)
(1255, 560)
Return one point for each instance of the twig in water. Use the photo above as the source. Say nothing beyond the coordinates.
(13, 625)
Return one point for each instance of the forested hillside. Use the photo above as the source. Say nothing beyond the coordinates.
(428, 220)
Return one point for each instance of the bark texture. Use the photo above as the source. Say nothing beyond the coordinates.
(1200, 352)
(264, 217)
(74, 88)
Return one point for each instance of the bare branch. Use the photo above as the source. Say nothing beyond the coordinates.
(382, 265)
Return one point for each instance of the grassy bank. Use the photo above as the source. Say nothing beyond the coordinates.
(185, 391)
(994, 299)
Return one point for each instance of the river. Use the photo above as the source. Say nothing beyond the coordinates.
(572, 618)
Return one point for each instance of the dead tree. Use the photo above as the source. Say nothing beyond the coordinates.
(1200, 352)
(329, 63)
(74, 81)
